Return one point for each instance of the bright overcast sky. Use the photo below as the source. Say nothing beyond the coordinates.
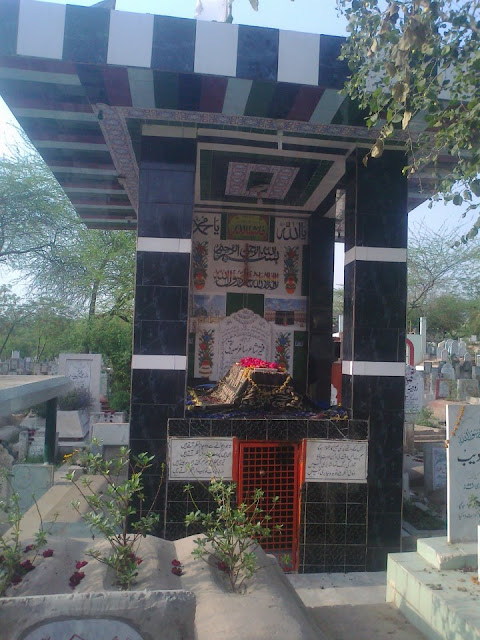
(315, 16)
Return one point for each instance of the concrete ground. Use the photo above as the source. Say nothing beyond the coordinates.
(352, 606)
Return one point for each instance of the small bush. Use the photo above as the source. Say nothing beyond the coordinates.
(425, 418)
(120, 401)
(75, 400)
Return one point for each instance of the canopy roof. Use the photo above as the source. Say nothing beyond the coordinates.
(86, 83)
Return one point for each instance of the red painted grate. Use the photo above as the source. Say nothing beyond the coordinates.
(272, 467)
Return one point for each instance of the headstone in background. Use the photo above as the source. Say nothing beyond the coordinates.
(31, 480)
(5, 367)
(448, 372)
(36, 447)
(442, 388)
(427, 367)
(448, 344)
(23, 444)
(466, 388)
(36, 368)
(462, 348)
(473, 338)
(84, 370)
(414, 388)
(435, 466)
(44, 368)
(477, 359)
(463, 471)
(16, 354)
(475, 373)
(467, 357)
(454, 348)
(440, 347)
(444, 356)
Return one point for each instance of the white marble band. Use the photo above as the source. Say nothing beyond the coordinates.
(155, 363)
(363, 368)
(375, 254)
(165, 245)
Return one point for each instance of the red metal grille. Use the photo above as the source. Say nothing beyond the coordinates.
(272, 467)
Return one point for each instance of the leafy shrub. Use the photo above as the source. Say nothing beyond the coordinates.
(232, 532)
(111, 511)
(75, 399)
(425, 418)
(120, 401)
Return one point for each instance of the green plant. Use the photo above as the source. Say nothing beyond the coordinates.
(120, 400)
(14, 564)
(111, 512)
(424, 418)
(232, 532)
(75, 399)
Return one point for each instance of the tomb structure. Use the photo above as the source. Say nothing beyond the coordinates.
(232, 153)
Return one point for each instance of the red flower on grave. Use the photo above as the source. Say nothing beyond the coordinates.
(76, 578)
(177, 571)
(27, 565)
(28, 548)
(223, 566)
(176, 563)
(48, 553)
(80, 564)
(16, 579)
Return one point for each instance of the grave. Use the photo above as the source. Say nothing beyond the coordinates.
(435, 466)
(238, 199)
(414, 390)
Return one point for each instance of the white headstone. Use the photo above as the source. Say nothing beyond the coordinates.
(454, 348)
(462, 348)
(414, 388)
(112, 434)
(467, 357)
(477, 359)
(243, 334)
(435, 466)
(463, 471)
(444, 355)
(473, 338)
(84, 370)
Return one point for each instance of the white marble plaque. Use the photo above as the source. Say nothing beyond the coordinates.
(463, 471)
(244, 334)
(413, 390)
(200, 458)
(336, 461)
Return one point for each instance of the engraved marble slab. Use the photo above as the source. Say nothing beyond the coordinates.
(336, 461)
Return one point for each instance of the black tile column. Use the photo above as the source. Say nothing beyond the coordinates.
(320, 355)
(374, 334)
(167, 173)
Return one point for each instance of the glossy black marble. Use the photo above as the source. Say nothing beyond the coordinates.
(159, 268)
(169, 154)
(161, 303)
(378, 230)
(9, 10)
(257, 53)
(168, 187)
(161, 338)
(392, 316)
(86, 34)
(379, 345)
(381, 187)
(156, 448)
(158, 386)
(160, 220)
(149, 421)
(173, 44)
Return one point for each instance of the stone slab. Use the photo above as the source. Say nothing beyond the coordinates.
(435, 466)
(442, 555)
(125, 614)
(84, 370)
(22, 392)
(443, 605)
(29, 481)
(112, 434)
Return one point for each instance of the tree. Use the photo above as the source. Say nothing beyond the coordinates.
(34, 211)
(420, 59)
(436, 267)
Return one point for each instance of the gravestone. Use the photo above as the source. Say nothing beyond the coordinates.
(444, 355)
(477, 359)
(473, 338)
(414, 388)
(466, 388)
(448, 344)
(463, 471)
(427, 367)
(454, 348)
(84, 371)
(442, 388)
(475, 373)
(31, 479)
(435, 466)
(440, 348)
(36, 368)
(467, 357)
(243, 334)
(448, 372)
(462, 348)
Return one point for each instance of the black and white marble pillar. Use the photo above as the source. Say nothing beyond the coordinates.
(374, 334)
(159, 363)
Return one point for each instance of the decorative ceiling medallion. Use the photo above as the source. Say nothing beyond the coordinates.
(259, 180)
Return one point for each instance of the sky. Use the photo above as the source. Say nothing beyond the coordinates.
(314, 16)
